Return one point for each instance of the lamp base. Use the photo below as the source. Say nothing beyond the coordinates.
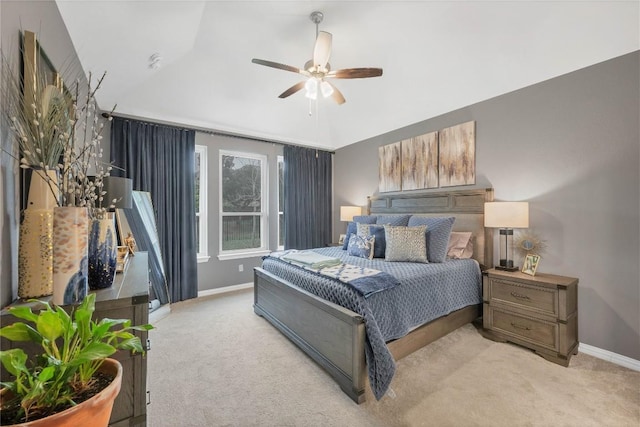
(503, 268)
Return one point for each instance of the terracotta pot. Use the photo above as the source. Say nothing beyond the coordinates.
(94, 412)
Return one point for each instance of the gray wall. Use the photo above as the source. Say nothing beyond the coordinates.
(216, 273)
(43, 18)
(571, 147)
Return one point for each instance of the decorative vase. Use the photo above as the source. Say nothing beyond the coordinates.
(95, 411)
(70, 265)
(35, 254)
(102, 253)
(35, 251)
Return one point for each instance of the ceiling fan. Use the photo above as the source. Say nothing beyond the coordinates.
(318, 71)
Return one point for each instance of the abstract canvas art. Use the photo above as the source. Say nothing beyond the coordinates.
(420, 162)
(389, 168)
(457, 155)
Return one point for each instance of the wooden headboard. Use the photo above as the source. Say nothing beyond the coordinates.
(467, 206)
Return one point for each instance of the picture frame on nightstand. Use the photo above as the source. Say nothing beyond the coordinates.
(530, 264)
(341, 240)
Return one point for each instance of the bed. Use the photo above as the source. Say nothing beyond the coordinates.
(338, 338)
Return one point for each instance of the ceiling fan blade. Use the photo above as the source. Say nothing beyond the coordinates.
(355, 73)
(279, 66)
(337, 95)
(293, 89)
(322, 49)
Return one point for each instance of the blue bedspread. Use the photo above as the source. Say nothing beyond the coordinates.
(425, 292)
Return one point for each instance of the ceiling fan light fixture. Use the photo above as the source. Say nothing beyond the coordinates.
(326, 89)
(311, 87)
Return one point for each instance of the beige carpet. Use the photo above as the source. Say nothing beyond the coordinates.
(215, 363)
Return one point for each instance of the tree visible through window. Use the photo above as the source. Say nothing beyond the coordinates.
(243, 184)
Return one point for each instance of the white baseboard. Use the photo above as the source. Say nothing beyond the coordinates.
(225, 289)
(610, 356)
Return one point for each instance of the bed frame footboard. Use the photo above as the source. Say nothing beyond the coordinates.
(331, 335)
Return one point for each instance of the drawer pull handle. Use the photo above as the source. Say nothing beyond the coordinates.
(148, 398)
(148, 345)
(517, 295)
(516, 326)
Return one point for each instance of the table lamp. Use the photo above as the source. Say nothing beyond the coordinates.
(348, 212)
(506, 216)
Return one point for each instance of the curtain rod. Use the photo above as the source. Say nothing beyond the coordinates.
(210, 132)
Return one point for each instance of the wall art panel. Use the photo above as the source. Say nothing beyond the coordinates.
(457, 155)
(389, 168)
(420, 162)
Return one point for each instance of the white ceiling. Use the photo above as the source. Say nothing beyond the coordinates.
(437, 56)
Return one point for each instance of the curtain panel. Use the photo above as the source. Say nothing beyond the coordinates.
(307, 197)
(160, 159)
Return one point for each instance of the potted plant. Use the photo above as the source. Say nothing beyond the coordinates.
(72, 373)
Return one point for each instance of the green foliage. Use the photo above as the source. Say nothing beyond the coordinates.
(73, 348)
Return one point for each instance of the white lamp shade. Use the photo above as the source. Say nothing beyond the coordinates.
(506, 214)
(348, 212)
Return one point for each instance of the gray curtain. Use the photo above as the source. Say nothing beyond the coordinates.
(307, 197)
(160, 160)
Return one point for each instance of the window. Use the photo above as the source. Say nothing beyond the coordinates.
(200, 168)
(243, 202)
(280, 202)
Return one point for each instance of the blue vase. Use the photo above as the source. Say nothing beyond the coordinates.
(102, 253)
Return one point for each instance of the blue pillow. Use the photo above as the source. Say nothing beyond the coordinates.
(438, 233)
(361, 246)
(378, 232)
(351, 228)
(400, 220)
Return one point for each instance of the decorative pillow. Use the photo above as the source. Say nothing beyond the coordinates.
(393, 219)
(438, 231)
(405, 243)
(365, 219)
(377, 231)
(460, 245)
(351, 227)
(361, 246)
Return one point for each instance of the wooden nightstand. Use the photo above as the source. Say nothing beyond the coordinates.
(539, 312)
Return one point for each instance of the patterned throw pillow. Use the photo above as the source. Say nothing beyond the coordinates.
(361, 246)
(405, 243)
(378, 232)
(438, 231)
(351, 227)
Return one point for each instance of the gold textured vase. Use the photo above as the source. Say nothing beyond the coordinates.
(35, 251)
(35, 254)
(70, 264)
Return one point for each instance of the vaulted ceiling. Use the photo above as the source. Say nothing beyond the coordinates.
(437, 56)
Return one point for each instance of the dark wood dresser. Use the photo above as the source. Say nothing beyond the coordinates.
(539, 312)
(128, 298)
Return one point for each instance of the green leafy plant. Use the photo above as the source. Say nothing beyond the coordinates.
(73, 348)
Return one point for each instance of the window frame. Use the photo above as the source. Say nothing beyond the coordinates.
(280, 161)
(201, 209)
(264, 208)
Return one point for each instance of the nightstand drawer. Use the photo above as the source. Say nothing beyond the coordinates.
(539, 332)
(543, 300)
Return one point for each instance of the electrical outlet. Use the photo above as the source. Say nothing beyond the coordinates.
(240, 268)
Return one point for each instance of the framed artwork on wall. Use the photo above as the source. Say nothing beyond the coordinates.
(389, 168)
(457, 155)
(420, 162)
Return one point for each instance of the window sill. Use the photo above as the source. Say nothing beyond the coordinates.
(239, 255)
(203, 258)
